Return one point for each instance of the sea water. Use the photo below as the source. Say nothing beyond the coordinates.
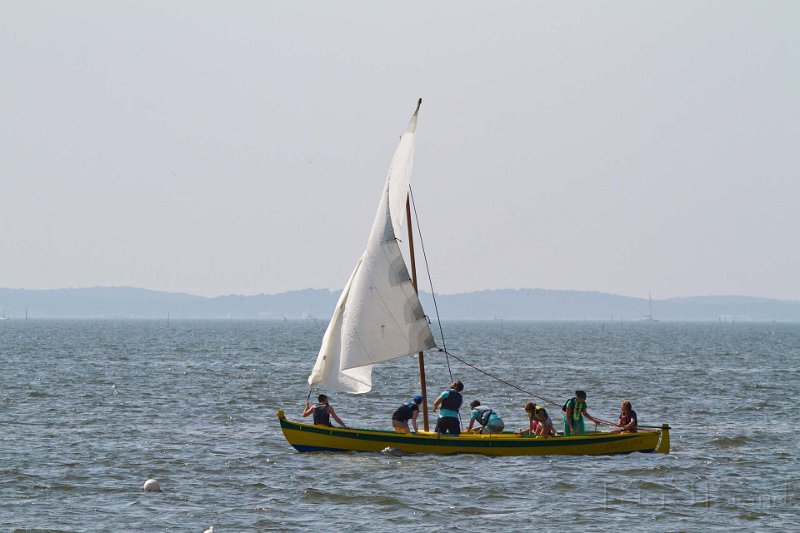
(89, 410)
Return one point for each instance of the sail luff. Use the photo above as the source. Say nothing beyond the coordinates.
(400, 170)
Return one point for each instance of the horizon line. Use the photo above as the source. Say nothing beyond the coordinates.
(593, 291)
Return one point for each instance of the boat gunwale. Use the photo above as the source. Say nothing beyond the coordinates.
(464, 440)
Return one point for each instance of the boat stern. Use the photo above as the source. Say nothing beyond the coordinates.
(663, 440)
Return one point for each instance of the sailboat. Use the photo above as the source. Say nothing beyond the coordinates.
(650, 317)
(379, 318)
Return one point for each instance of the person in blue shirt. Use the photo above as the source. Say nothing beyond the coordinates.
(450, 400)
(490, 422)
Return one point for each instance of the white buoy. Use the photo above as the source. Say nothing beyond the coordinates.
(151, 485)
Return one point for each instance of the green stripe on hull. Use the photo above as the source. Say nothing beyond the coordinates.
(442, 440)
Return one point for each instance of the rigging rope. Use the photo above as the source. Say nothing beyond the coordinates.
(529, 393)
(439, 320)
(430, 280)
(443, 349)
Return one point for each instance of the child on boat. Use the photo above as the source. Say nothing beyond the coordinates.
(546, 428)
(627, 418)
(533, 423)
(539, 421)
(489, 421)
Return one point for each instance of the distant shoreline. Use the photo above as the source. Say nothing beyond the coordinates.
(500, 304)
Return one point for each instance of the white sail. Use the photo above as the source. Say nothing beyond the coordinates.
(327, 370)
(379, 316)
(383, 318)
(399, 176)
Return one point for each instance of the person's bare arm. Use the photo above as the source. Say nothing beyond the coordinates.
(590, 417)
(335, 416)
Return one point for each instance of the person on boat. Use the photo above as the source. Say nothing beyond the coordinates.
(450, 400)
(533, 422)
(407, 411)
(627, 419)
(546, 428)
(322, 411)
(489, 421)
(539, 422)
(574, 413)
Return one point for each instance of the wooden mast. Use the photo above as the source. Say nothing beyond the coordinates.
(421, 356)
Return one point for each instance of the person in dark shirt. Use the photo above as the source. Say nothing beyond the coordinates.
(322, 411)
(404, 413)
(627, 418)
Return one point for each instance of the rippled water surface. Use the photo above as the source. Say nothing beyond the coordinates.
(91, 409)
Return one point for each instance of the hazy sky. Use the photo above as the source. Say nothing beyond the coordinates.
(240, 147)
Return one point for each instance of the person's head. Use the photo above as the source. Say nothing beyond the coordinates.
(581, 395)
(474, 403)
(457, 385)
(530, 408)
(322, 398)
(417, 399)
(626, 406)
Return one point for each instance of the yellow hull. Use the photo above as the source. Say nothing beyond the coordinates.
(308, 438)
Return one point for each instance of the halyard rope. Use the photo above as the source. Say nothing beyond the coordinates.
(430, 280)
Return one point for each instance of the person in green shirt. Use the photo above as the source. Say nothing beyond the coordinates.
(574, 412)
